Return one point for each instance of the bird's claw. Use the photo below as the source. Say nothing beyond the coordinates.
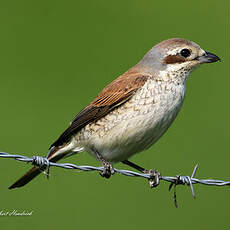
(108, 170)
(154, 179)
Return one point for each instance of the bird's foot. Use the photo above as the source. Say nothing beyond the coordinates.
(108, 169)
(154, 179)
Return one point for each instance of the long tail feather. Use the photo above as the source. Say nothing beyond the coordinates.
(33, 172)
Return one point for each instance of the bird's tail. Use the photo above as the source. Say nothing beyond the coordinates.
(54, 156)
(33, 172)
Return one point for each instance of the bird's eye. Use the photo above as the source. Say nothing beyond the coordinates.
(185, 53)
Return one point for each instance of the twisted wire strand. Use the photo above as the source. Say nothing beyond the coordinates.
(45, 164)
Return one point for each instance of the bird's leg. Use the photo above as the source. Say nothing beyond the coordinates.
(154, 179)
(107, 167)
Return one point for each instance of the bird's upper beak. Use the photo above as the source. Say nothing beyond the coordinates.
(208, 58)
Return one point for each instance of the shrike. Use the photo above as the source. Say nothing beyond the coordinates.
(133, 111)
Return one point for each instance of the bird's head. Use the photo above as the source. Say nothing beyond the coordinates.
(176, 57)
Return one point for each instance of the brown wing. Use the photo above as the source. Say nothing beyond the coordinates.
(112, 96)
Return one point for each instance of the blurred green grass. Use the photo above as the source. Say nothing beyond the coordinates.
(56, 56)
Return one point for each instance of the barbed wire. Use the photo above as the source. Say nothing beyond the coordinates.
(45, 164)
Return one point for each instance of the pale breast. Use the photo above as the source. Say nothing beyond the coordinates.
(135, 125)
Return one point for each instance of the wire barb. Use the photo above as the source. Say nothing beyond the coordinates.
(184, 180)
(44, 164)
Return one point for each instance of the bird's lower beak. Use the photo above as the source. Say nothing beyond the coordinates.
(208, 58)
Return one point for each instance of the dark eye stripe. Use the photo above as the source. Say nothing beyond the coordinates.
(172, 59)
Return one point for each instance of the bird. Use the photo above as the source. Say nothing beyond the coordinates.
(131, 113)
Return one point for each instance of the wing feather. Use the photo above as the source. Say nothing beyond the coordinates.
(112, 96)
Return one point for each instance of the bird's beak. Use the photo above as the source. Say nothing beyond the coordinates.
(208, 58)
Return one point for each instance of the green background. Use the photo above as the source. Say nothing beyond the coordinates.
(55, 56)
